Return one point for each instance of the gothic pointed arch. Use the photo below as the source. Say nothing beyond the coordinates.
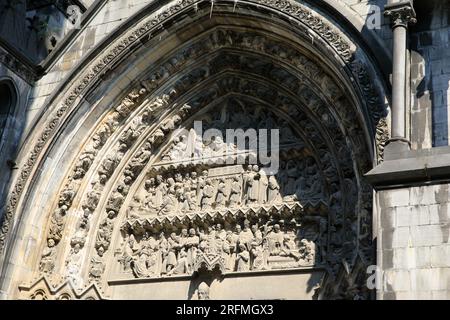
(120, 188)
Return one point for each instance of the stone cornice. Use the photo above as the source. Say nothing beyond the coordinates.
(19, 63)
(412, 167)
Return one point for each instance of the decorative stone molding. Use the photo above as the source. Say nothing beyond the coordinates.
(27, 73)
(43, 289)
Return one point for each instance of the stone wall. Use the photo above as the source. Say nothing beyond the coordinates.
(430, 76)
(413, 242)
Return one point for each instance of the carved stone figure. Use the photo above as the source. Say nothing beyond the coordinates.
(273, 190)
(73, 265)
(262, 187)
(47, 263)
(253, 186)
(235, 193)
(98, 266)
(203, 291)
(207, 195)
(160, 191)
(243, 258)
(275, 239)
(222, 194)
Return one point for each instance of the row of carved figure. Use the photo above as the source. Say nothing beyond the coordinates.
(194, 192)
(247, 248)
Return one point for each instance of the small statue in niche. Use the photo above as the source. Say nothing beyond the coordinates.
(73, 265)
(47, 263)
(97, 265)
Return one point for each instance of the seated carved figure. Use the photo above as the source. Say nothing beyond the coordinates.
(182, 266)
(97, 265)
(275, 240)
(289, 248)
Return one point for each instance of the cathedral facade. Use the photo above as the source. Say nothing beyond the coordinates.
(227, 149)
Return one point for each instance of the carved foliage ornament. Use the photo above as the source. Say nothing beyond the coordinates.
(401, 14)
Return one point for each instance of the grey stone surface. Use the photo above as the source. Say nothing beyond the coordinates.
(411, 208)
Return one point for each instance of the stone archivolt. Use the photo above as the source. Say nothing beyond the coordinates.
(158, 116)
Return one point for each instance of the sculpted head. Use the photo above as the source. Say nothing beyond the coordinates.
(203, 291)
(276, 227)
(149, 183)
(111, 214)
(76, 248)
(100, 251)
(50, 243)
(131, 240)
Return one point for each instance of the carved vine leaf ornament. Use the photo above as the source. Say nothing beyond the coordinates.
(117, 198)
